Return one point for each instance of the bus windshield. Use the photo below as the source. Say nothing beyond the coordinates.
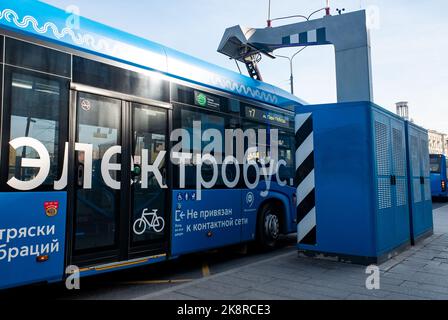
(436, 164)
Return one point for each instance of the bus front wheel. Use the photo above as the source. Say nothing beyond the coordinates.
(268, 226)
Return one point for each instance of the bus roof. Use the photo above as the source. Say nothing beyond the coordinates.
(38, 19)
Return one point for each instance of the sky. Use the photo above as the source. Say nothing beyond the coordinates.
(409, 42)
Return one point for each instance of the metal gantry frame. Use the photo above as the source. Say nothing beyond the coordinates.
(348, 34)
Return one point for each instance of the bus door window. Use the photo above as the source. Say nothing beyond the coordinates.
(149, 136)
(435, 165)
(99, 125)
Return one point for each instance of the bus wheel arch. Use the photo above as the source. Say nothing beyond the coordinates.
(270, 223)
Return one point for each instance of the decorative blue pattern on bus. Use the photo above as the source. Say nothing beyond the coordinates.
(32, 17)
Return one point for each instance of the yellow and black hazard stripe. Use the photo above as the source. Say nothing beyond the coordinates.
(305, 180)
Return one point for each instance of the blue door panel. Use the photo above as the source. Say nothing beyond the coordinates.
(400, 200)
(31, 225)
(420, 184)
(212, 222)
(393, 222)
(385, 219)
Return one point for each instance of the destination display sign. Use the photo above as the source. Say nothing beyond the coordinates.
(268, 116)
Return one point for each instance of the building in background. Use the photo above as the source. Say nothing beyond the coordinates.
(438, 143)
(403, 109)
(446, 147)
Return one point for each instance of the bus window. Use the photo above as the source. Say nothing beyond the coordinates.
(104, 76)
(446, 169)
(31, 56)
(263, 150)
(36, 107)
(286, 146)
(184, 119)
(435, 164)
(208, 121)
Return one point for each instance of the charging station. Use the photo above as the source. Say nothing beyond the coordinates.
(352, 179)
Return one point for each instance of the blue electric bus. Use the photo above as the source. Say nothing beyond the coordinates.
(87, 177)
(439, 177)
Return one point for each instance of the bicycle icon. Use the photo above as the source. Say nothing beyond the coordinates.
(149, 220)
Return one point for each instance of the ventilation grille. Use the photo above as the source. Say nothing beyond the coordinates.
(417, 190)
(384, 194)
(415, 156)
(402, 197)
(382, 149)
(424, 145)
(398, 153)
(428, 195)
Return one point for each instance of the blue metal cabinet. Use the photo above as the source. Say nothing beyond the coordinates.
(361, 183)
(391, 180)
(421, 216)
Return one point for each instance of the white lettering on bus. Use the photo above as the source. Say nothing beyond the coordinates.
(230, 160)
(62, 183)
(264, 163)
(87, 150)
(9, 235)
(26, 251)
(182, 159)
(27, 232)
(107, 167)
(42, 163)
(200, 181)
(281, 183)
(154, 169)
(247, 165)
